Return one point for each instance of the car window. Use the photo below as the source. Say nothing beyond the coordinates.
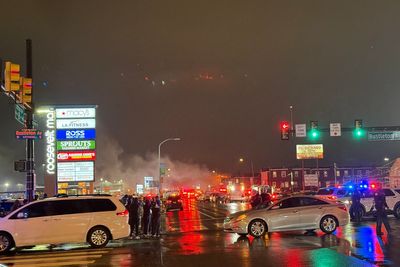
(397, 190)
(62, 207)
(341, 192)
(388, 192)
(289, 203)
(39, 209)
(308, 201)
(97, 205)
(174, 198)
(325, 191)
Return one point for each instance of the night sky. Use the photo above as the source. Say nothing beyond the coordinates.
(218, 74)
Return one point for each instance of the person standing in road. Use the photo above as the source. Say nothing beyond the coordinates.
(146, 216)
(356, 213)
(255, 200)
(381, 206)
(133, 209)
(155, 217)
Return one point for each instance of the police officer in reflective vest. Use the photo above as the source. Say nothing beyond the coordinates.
(380, 206)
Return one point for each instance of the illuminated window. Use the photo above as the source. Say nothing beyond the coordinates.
(337, 173)
(283, 174)
(296, 174)
(274, 174)
(326, 174)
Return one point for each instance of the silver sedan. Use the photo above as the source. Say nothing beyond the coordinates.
(289, 214)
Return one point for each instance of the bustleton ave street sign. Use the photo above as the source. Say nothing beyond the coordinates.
(384, 136)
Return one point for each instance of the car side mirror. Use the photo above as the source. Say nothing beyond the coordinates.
(22, 215)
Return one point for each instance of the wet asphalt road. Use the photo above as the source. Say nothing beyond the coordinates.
(193, 237)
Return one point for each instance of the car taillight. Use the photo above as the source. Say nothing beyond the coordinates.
(332, 197)
(169, 201)
(179, 200)
(124, 213)
(343, 208)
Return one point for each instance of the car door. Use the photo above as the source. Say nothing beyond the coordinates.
(311, 211)
(31, 224)
(284, 215)
(70, 220)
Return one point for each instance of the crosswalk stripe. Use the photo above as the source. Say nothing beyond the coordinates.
(54, 264)
(55, 254)
(36, 259)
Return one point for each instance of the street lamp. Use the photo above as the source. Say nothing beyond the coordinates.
(159, 158)
(386, 159)
(6, 185)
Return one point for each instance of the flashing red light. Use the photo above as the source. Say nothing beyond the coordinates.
(124, 213)
(373, 186)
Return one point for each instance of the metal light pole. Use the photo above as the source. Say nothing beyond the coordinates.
(159, 158)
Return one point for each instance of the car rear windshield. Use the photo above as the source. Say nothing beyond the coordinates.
(325, 191)
(174, 198)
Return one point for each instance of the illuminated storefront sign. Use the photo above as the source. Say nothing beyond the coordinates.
(75, 171)
(310, 151)
(76, 134)
(76, 123)
(50, 143)
(73, 113)
(76, 156)
(76, 145)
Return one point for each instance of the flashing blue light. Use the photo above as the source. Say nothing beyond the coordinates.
(350, 186)
(365, 186)
(361, 185)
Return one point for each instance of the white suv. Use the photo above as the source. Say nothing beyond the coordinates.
(92, 219)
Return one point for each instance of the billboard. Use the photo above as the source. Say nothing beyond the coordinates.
(310, 151)
(76, 145)
(75, 123)
(76, 134)
(311, 180)
(75, 171)
(74, 113)
(76, 156)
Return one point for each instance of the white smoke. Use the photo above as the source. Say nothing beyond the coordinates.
(114, 164)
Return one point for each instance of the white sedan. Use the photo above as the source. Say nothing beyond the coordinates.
(289, 214)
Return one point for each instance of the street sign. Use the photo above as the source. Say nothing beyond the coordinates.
(20, 114)
(28, 134)
(384, 136)
(76, 145)
(336, 129)
(301, 130)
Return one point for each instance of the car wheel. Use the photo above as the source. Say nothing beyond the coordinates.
(328, 224)
(257, 228)
(396, 211)
(98, 237)
(6, 243)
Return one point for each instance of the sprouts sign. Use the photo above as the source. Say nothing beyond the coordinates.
(70, 143)
(310, 151)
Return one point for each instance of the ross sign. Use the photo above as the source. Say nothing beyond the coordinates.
(76, 156)
(384, 136)
(336, 129)
(310, 151)
(76, 123)
(311, 180)
(20, 114)
(75, 171)
(24, 134)
(301, 130)
(74, 113)
(139, 189)
(76, 134)
(76, 145)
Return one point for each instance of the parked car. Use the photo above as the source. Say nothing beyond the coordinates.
(174, 202)
(332, 193)
(292, 213)
(92, 219)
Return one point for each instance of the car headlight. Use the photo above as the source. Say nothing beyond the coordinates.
(347, 202)
(240, 218)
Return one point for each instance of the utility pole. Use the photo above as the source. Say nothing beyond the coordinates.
(30, 160)
(334, 170)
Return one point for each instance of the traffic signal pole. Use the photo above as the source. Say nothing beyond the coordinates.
(30, 160)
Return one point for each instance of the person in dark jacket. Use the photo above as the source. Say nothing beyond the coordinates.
(134, 217)
(381, 206)
(255, 200)
(146, 216)
(155, 217)
(356, 210)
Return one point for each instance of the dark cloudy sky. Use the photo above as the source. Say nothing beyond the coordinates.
(218, 74)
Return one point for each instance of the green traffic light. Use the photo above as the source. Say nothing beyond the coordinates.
(314, 134)
(358, 133)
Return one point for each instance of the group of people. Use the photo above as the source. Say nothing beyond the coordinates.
(260, 199)
(19, 202)
(144, 215)
(380, 207)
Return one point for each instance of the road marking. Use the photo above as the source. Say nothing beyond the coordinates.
(61, 258)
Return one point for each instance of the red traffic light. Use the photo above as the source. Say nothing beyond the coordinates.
(285, 129)
(285, 125)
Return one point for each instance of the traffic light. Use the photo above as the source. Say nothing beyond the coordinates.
(11, 77)
(314, 131)
(26, 90)
(358, 129)
(285, 130)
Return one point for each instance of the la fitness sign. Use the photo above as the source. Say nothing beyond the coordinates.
(50, 135)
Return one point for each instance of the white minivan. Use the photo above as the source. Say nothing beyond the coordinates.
(92, 219)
